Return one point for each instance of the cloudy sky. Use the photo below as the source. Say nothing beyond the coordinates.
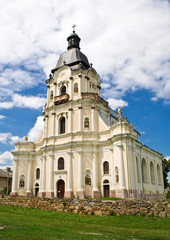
(128, 42)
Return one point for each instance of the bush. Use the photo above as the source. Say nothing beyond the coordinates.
(112, 213)
(92, 213)
(5, 190)
(168, 195)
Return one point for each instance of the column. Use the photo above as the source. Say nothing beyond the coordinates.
(53, 124)
(132, 171)
(54, 89)
(121, 192)
(95, 192)
(80, 192)
(80, 119)
(93, 118)
(15, 179)
(80, 84)
(29, 193)
(56, 126)
(45, 126)
(50, 193)
(69, 191)
(112, 170)
(87, 84)
(136, 171)
(43, 177)
(70, 130)
(71, 87)
(48, 94)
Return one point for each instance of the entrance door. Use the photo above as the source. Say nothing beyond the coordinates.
(36, 189)
(106, 191)
(60, 188)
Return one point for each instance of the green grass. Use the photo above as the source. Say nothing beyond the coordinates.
(32, 224)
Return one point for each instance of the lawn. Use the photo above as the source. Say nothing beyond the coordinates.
(19, 223)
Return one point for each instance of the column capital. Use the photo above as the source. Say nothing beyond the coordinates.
(53, 113)
(70, 109)
(54, 83)
(80, 75)
(93, 107)
(120, 146)
(86, 77)
(71, 78)
(79, 107)
(80, 152)
(70, 153)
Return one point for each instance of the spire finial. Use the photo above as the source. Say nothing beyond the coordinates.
(74, 27)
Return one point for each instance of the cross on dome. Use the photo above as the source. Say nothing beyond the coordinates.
(74, 27)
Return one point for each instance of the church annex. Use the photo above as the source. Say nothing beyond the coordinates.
(85, 150)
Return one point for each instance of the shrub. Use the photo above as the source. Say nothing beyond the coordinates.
(92, 213)
(168, 195)
(64, 203)
(112, 213)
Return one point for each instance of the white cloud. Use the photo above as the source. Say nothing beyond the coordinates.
(167, 157)
(6, 159)
(129, 48)
(2, 117)
(115, 103)
(34, 132)
(8, 138)
(17, 100)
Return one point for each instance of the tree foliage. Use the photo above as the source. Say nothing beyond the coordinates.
(166, 169)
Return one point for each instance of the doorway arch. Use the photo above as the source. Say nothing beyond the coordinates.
(106, 188)
(60, 188)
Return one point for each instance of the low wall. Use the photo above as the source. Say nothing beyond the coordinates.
(93, 207)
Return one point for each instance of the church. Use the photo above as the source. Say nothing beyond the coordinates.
(85, 150)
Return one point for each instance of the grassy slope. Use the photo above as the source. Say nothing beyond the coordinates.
(33, 224)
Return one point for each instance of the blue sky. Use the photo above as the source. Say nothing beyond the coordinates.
(127, 42)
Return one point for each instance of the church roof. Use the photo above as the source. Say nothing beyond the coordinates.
(73, 56)
(4, 174)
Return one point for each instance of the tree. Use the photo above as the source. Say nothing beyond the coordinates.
(166, 169)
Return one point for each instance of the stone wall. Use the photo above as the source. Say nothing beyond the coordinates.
(93, 207)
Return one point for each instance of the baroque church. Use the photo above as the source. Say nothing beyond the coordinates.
(85, 150)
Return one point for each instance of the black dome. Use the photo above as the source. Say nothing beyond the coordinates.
(73, 56)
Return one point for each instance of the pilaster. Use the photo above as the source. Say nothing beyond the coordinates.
(15, 178)
(69, 190)
(50, 193)
(80, 191)
(95, 192)
(29, 193)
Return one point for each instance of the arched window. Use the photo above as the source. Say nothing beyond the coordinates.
(137, 169)
(62, 125)
(61, 163)
(152, 173)
(87, 177)
(22, 181)
(116, 175)
(144, 171)
(63, 90)
(76, 88)
(51, 95)
(159, 174)
(37, 173)
(86, 122)
(106, 167)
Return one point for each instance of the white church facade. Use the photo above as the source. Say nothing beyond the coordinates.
(85, 150)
